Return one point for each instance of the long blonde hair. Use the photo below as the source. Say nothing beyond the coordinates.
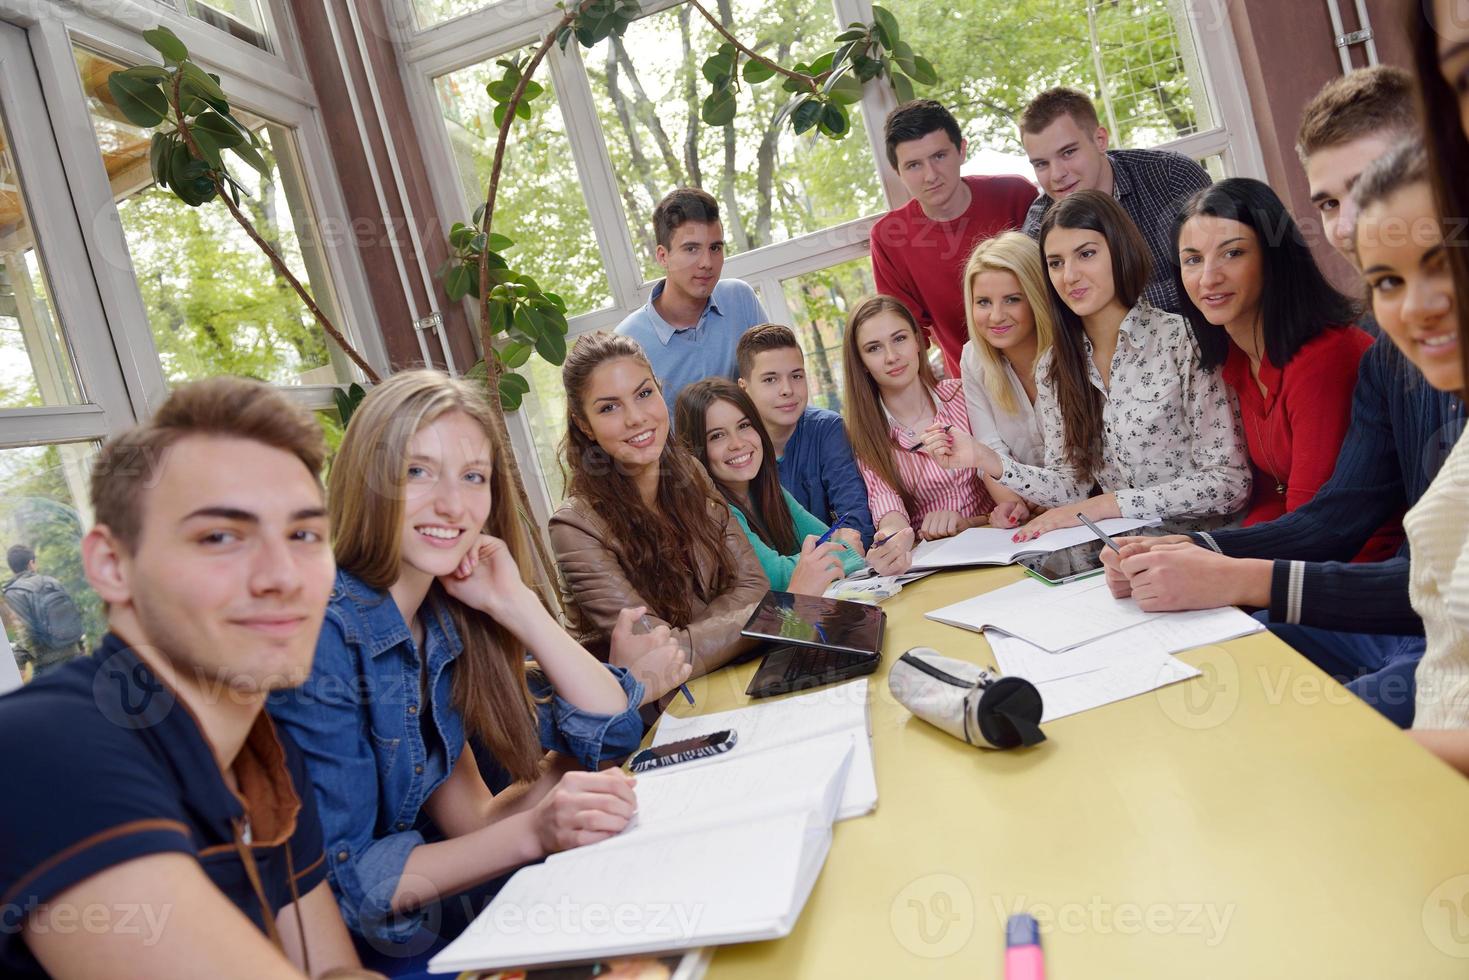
(1018, 254)
(365, 504)
(867, 424)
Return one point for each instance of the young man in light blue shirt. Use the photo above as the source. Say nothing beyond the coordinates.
(690, 325)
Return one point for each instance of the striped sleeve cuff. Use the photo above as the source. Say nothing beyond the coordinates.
(1287, 591)
(1206, 539)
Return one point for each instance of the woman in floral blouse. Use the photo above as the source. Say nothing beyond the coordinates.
(1123, 401)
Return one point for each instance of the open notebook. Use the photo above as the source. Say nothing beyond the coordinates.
(994, 545)
(722, 850)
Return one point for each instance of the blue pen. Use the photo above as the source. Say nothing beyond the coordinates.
(648, 628)
(825, 537)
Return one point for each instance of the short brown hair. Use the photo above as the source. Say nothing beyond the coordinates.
(679, 207)
(1360, 103)
(226, 406)
(1054, 103)
(764, 337)
(915, 120)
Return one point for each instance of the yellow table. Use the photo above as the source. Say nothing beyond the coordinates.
(1257, 822)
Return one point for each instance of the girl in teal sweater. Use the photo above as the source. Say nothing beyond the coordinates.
(720, 425)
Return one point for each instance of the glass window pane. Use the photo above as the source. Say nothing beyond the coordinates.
(1137, 60)
(214, 301)
(545, 409)
(1215, 165)
(539, 203)
(819, 303)
(36, 366)
(44, 507)
(431, 12)
(239, 18)
(771, 184)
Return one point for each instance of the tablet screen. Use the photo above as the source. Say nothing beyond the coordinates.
(1067, 563)
(834, 624)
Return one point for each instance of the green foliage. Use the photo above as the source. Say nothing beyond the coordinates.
(347, 401)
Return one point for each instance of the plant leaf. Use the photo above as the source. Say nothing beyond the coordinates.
(219, 129)
(719, 108)
(209, 150)
(845, 90)
(718, 69)
(141, 101)
(756, 72)
(513, 388)
(158, 149)
(457, 282)
(806, 114)
(167, 43)
(201, 81)
(516, 354)
(834, 121)
(887, 26)
(499, 242)
(551, 345)
(852, 34)
(252, 157)
(902, 87)
(923, 71)
(147, 73)
(460, 235)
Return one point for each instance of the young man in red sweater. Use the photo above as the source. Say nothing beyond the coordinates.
(919, 249)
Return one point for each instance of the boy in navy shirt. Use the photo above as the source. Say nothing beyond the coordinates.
(815, 459)
(155, 817)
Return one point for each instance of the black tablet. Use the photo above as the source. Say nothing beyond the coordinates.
(814, 621)
(1066, 564)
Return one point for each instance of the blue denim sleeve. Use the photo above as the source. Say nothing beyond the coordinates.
(845, 491)
(328, 720)
(589, 738)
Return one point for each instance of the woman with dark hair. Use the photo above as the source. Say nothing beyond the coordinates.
(718, 423)
(642, 525)
(1262, 310)
(1124, 401)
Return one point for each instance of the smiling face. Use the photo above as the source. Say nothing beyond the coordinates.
(1079, 263)
(889, 350)
(1400, 243)
(731, 445)
(1002, 314)
(1068, 159)
(1331, 173)
(625, 413)
(231, 570)
(1451, 18)
(446, 496)
(1222, 268)
(693, 259)
(777, 385)
(929, 169)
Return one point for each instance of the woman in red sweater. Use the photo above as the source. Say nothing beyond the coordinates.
(1261, 308)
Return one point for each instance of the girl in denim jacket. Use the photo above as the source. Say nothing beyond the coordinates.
(433, 643)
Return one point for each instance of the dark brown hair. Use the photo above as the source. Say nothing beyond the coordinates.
(1080, 402)
(1054, 103)
(867, 424)
(1359, 103)
(1447, 147)
(662, 544)
(227, 407)
(678, 208)
(761, 338)
(367, 483)
(915, 120)
(768, 516)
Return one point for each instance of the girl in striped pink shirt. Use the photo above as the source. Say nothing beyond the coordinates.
(891, 397)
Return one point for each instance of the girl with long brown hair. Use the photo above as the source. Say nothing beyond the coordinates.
(720, 426)
(1124, 401)
(890, 397)
(426, 657)
(642, 524)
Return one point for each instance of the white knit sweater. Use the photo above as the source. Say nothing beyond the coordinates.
(1438, 537)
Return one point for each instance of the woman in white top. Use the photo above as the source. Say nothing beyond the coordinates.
(1122, 399)
(1413, 298)
(1010, 328)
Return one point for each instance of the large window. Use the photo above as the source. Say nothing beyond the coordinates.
(539, 202)
(796, 210)
(771, 184)
(215, 303)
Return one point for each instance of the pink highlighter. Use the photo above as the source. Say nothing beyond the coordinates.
(1023, 957)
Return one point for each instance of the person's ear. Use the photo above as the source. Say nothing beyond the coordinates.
(107, 565)
(743, 385)
(1101, 137)
(963, 150)
(660, 254)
